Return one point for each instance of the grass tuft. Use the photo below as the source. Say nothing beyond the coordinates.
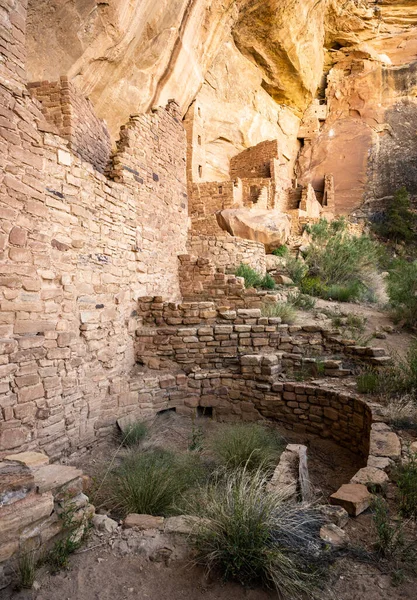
(246, 445)
(134, 434)
(285, 311)
(26, 570)
(253, 536)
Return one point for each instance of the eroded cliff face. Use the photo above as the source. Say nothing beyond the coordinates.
(254, 68)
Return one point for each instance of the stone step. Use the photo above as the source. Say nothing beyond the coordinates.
(54, 477)
(354, 497)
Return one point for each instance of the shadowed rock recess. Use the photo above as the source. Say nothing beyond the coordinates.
(147, 149)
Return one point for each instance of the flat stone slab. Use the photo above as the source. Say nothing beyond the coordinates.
(370, 476)
(385, 443)
(54, 477)
(32, 460)
(333, 535)
(183, 524)
(136, 521)
(353, 497)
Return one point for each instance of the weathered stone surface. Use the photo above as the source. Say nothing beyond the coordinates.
(353, 497)
(55, 477)
(335, 514)
(270, 227)
(33, 460)
(16, 481)
(333, 535)
(385, 443)
(104, 523)
(135, 521)
(372, 477)
(183, 524)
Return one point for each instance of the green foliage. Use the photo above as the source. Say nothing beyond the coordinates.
(401, 378)
(285, 311)
(196, 439)
(26, 570)
(344, 293)
(246, 445)
(296, 269)
(58, 558)
(399, 221)
(74, 532)
(342, 262)
(302, 301)
(390, 536)
(280, 251)
(134, 434)
(267, 282)
(368, 382)
(152, 482)
(407, 486)
(253, 279)
(253, 536)
(313, 286)
(402, 291)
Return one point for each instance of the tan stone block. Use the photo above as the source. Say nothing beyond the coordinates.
(32, 460)
(31, 393)
(18, 236)
(353, 497)
(136, 521)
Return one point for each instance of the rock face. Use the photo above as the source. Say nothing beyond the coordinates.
(270, 227)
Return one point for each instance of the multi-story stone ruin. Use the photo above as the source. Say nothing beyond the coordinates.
(118, 246)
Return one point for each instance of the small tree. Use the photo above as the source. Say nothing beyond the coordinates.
(399, 221)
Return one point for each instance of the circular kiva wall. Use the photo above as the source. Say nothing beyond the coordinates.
(301, 407)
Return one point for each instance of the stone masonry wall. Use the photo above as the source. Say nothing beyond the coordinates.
(77, 250)
(255, 161)
(75, 119)
(13, 43)
(228, 252)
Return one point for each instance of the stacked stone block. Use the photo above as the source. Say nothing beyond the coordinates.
(228, 252)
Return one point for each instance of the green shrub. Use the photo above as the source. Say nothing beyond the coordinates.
(284, 310)
(267, 282)
(344, 293)
(246, 445)
(253, 536)
(368, 382)
(58, 558)
(252, 278)
(339, 258)
(390, 536)
(152, 482)
(296, 269)
(401, 378)
(280, 251)
(303, 301)
(401, 411)
(407, 486)
(402, 291)
(134, 434)
(313, 286)
(399, 221)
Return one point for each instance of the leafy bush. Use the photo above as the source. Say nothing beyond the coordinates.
(338, 258)
(253, 536)
(284, 310)
(296, 269)
(399, 221)
(267, 282)
(152, 482)
(390, 536)
(407, 486)
(368, 382)
(246, 445)
(280, 251)
(251, 277)
(134, 434)
(303, 301)
(313, 286)
(344, 293)
(402, 291)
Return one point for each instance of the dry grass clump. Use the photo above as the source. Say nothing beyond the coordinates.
(253, 536)
(246, 445)
(284, 310)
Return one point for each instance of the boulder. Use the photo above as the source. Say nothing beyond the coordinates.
(104, 523)
(385, 443)
(354, 497)
(270, 227)
(282, 279)
(335, 514)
